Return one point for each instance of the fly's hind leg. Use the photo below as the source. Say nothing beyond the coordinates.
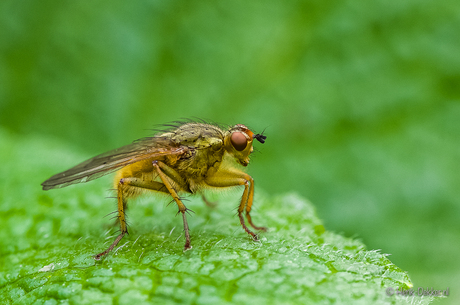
(165, 172)
(121, 218)
(124, 185)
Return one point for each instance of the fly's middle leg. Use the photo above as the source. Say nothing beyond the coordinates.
(211, 204)
(165, 172)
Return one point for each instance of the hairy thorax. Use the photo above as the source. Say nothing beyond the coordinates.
(203, 158)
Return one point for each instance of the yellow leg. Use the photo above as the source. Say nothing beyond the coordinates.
(234, 178)
(171, 173)
(124, 186)
(211, 204)
(176, 198)
(121, 219)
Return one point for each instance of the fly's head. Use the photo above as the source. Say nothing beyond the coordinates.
(238, 142)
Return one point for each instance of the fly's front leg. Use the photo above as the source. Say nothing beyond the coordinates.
(124, 185)
(234, 178)
(165, 171)
(249, 207)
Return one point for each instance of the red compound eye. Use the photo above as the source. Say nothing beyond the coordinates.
(239, 141)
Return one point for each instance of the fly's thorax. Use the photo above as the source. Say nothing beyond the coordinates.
(204, 157)
(205, 153)
(204, 143)
(198, 135)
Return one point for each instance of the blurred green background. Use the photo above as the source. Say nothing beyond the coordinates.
(360, 100)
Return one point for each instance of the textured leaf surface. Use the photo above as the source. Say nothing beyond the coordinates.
(47, 240)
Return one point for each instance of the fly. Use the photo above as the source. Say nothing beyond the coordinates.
(186, 158)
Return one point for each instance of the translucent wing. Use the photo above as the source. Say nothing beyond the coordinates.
(152, 147)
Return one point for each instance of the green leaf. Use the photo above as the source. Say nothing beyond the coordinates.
(47, 240)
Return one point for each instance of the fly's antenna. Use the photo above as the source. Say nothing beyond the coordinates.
(260, 137)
